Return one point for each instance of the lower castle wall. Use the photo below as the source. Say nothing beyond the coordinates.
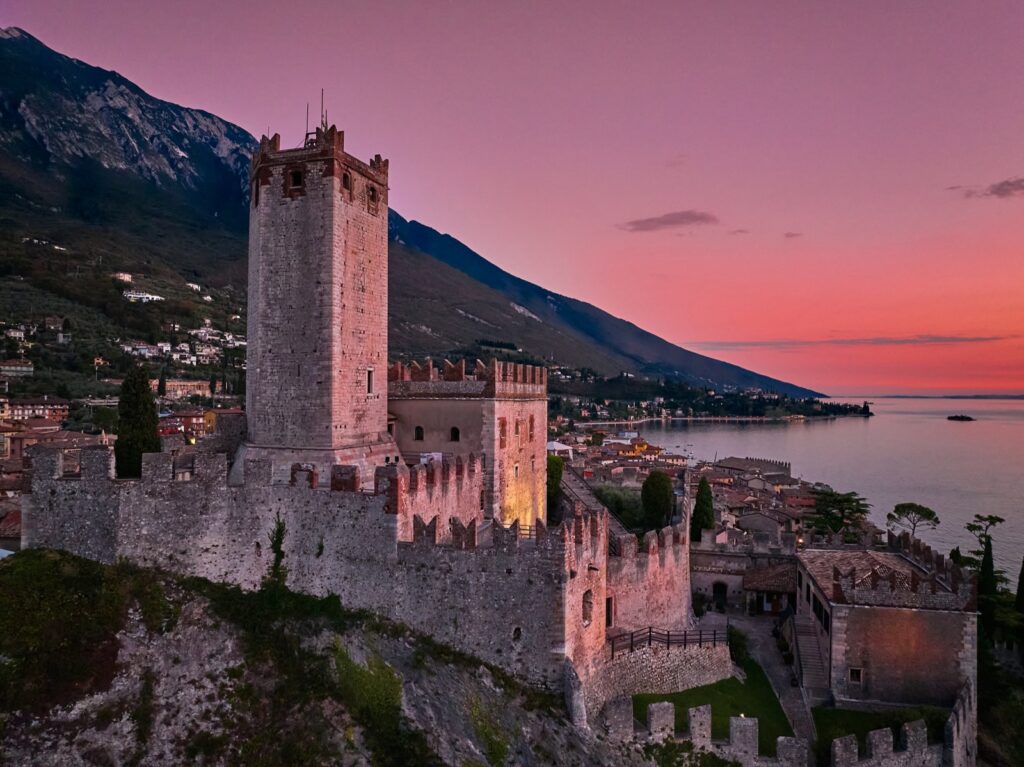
(655, 669)
(503, 604)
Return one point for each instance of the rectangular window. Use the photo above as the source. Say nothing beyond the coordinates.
(502, 432)
(515, 471)
(856, 675)
(531, 428)
(369, 380)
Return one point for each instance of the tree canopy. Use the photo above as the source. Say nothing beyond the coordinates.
(835, 512)
(703, 510)
(912, 517)
(136, 423)
(656, 500)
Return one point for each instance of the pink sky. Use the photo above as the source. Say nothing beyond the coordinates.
(535, 132)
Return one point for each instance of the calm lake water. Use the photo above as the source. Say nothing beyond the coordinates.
(907, 452)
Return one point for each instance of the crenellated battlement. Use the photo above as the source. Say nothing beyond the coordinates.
(323, 145)
(656, 543)
(758, 543)
(911, 746)
(494, 379)
(883, 586)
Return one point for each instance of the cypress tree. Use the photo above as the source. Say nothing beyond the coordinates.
(1019, 601)
(703, 510)
(161, 385)
(137, 423)
(988, 586)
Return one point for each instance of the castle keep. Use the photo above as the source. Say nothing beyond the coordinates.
(416, 491)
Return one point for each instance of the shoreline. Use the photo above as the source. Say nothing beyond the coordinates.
(719, 419)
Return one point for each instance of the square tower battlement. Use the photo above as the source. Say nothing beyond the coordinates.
(318, 304)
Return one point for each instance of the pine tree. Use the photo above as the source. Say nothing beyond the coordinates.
(703, 510)
(137, 423)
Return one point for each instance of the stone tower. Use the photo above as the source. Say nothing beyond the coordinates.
(318, 307)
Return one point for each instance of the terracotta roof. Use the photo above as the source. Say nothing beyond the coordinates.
(821, 562)
(777, 578)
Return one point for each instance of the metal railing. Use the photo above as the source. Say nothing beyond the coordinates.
(651, 636)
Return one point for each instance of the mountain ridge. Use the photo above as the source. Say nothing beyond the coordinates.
(86, 154)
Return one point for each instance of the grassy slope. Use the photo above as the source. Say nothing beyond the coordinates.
(729, 698)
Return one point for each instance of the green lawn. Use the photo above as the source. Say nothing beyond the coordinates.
(833, 723)
(727, 698)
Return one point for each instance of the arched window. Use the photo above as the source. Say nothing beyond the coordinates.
(346, 182)
(455, 434)
(418, 434)
(588, 607)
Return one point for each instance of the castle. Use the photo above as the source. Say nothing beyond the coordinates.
(413, 490)
(418, 491)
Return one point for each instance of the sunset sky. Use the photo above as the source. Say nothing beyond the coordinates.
(829, 193)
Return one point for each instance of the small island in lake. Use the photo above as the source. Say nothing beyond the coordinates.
(960, 417)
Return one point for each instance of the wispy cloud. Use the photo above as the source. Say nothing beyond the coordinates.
(791, 235)
(677, 161)
(670, 221)
(798, 343)
(739, 231)
(1005, 189)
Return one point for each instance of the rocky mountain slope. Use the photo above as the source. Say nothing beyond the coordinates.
(118, 179)
(119, 666)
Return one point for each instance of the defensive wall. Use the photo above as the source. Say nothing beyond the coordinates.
(415, 548)
(910, 749)
(498, 410)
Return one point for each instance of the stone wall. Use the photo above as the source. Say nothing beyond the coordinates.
(897, 652)
(649, 583)
(712, 563)
(480, 588)
(655, 669)
(958, 749)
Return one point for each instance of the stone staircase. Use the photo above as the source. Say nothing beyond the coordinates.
(814, 675)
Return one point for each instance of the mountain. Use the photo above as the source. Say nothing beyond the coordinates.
(95, 171)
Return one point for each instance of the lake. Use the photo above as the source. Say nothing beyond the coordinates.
(907, 452)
